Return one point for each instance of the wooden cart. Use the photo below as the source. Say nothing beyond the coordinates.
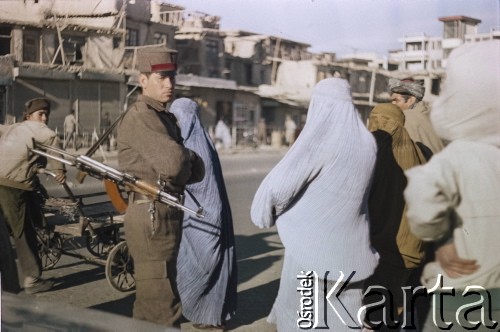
(98, 226)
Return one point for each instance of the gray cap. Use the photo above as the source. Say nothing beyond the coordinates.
(407, 87)
(156, 59)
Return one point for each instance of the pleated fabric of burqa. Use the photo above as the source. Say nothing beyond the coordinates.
(317, 195)
(206, 265)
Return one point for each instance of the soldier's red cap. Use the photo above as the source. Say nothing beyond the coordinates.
(156, 59)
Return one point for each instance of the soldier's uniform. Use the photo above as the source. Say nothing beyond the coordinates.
(150, 147)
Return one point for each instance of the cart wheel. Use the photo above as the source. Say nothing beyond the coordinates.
(49, 246)
(101, 245)
(120, 268)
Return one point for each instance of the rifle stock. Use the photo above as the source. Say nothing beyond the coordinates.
(115, 196)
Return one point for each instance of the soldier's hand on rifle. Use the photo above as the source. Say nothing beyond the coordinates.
(60, 177)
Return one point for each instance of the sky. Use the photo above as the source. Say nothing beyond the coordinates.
(344, 26)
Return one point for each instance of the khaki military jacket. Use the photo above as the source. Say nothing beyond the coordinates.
(150, 146)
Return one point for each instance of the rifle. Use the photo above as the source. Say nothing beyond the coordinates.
(102, 171)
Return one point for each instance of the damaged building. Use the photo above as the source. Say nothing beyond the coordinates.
(82, 55)
(69, 51)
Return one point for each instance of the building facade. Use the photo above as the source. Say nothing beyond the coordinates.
(82, 55)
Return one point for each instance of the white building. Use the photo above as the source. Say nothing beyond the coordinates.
(425, 53)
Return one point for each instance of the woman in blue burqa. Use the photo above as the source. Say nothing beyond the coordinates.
(206, 265)
(317, 196)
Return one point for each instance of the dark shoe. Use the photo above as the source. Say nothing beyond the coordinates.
(42, 285)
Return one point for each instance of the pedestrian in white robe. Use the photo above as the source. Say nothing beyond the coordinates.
(317, 196)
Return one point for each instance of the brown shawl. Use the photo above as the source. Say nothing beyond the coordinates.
(390, 119)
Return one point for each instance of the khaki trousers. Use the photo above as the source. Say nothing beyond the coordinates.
(154, 245)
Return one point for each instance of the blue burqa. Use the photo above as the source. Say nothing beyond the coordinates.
(206, 265)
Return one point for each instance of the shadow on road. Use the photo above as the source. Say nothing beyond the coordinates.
(122, 306)
(256, 254)
(256, 244)
(254, 304)
(79, 278)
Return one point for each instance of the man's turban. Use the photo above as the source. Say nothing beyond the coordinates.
(407, 87)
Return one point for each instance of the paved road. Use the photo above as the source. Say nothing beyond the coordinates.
(259, 253)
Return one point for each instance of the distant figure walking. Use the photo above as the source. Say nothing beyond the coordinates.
(222, 135)
(206, 265)
(70, 124)
(290, 127)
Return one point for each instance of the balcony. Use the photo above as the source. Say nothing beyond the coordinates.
(188, 19)
(450, 43)
(417, 55)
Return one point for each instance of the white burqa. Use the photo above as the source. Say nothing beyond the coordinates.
(317, 195)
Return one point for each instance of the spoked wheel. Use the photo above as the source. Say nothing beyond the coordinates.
(49, 246)
(120, 268)
(102, 243)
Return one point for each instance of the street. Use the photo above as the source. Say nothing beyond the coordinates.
(259, 252)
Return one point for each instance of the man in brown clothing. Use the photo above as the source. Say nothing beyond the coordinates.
(407, 94)
(150, 147)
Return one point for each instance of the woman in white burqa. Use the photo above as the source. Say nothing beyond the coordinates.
(317, 196)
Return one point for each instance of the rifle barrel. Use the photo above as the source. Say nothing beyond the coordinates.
(48, 155)
(115, 174)
(54, 149)
(168, 201)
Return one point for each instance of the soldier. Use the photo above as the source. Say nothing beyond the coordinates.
(150, 147)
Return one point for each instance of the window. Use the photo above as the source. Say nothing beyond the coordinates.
(436, 86)
(414, 46)
(212, 57)
(248, 74)
(132, 38)
(73, 48)
(5, 40)
(450, 29)
(30, 47)
(116, 42)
